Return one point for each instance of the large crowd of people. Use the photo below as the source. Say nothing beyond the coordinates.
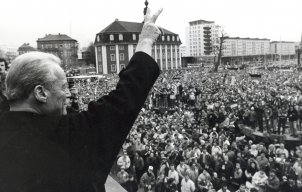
(187, 137)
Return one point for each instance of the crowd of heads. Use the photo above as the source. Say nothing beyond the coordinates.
(188, 137)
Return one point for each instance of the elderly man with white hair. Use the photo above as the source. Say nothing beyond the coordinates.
(44, 149)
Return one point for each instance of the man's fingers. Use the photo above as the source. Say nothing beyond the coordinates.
(157, 13)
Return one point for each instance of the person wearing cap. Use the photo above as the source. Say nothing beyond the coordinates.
(147, 180)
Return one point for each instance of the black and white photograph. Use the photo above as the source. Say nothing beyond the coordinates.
(151, 96)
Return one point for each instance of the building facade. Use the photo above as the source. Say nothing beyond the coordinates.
(115, 45)
(245, 50)
(201, 37)
(25, 48)
(62, 46)
(283, 49)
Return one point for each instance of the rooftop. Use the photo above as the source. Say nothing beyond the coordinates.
(126, 26)
(58, 37)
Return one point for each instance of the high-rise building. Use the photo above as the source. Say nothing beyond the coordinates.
(201, 37)
(62, 46)
(115, 45)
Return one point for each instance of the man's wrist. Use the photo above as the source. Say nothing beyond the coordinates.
(145, 45)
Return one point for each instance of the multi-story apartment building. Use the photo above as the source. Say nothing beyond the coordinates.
(25, 48)
(201, 37)
(236, 49)
(62, 46)
(283, 49)
(115, 45)
(235, 46)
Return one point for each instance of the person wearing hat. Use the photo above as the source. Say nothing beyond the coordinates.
(147, 181)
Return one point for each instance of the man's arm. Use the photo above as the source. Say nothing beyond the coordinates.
(104, 127)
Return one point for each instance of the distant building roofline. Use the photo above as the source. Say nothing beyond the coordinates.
(282, 42)
(201, 22)
(247, 38)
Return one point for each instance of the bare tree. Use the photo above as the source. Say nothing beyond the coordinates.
(222, 39)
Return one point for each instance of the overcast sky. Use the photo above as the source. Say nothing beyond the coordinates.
(24, 21)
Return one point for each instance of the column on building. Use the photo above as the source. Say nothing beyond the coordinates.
(155, 52)
(172, 63)
(104, 58)
(96, 60)
(166, 56)
(117, 58)
(175, 54)
(130, 51)
(161, 56)
(179, 56)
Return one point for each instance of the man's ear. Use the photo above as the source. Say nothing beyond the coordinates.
(40, 93)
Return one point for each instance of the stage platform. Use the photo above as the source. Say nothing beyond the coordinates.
(288, 140)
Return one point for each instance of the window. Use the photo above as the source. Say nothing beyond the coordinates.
(134, 37)
(98, 38)
(113, 68)
(42, 46)
(120, 37)
(99, 49)
(112, 48)
(56, 46)
(121, 47)
(111, 37)
(168, 38)
(122, 66)
(162, 38)
(122, 57)
(173, 38)
(112, 57)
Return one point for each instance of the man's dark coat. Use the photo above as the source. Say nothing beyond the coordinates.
(75, 152)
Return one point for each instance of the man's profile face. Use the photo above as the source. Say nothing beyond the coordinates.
(58, 93)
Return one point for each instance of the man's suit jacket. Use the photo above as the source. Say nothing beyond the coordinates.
(73, 152)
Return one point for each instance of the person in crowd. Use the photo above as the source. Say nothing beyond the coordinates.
(43, 146)
(122, 176)
(147, 180)
(187, 185)
(273, 183)
(292, 116)
(124, 161)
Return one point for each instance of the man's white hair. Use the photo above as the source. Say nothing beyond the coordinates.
(27, 71)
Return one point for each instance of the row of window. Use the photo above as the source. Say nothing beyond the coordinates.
(50, 46)
(122, 57)
(134, 37)
(113, 67)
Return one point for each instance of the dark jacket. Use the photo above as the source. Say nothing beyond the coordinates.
(73, 152)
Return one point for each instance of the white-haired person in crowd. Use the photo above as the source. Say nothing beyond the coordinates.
(43, 148)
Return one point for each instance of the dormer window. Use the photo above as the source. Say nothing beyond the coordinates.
(168, 38)
(111, 37)
(163, 38)
(173, 38)
(134, 37)
(120, 37)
